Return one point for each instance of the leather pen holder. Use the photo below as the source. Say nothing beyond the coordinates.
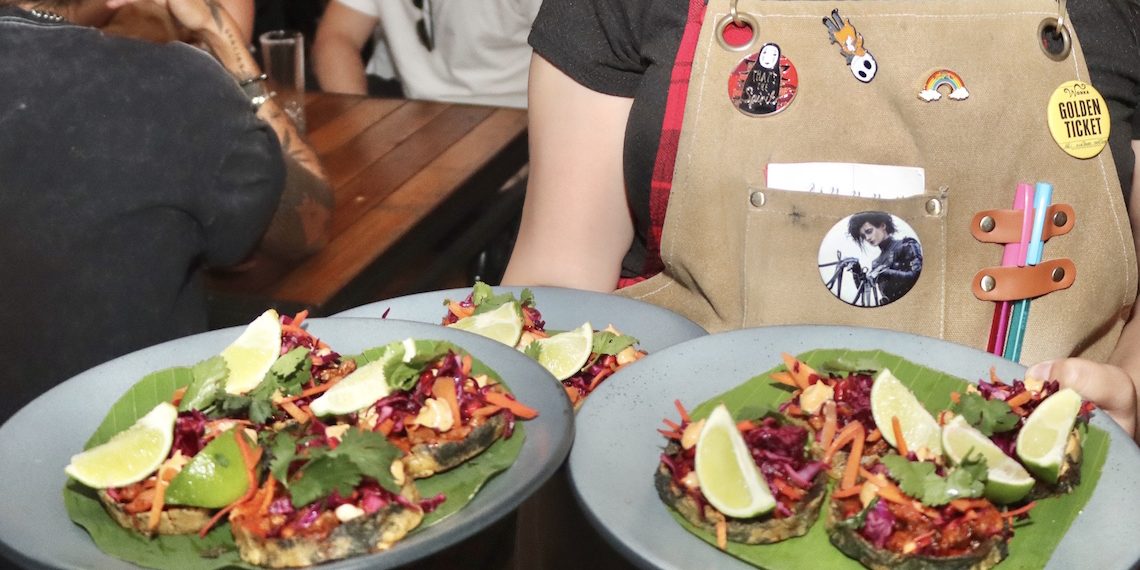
(1016, 283)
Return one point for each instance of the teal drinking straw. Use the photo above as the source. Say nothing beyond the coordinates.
(1043, 195)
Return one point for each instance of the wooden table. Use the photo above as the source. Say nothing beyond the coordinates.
(418, 190)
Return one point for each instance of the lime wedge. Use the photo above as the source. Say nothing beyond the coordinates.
(360, 389)
(728, 476)
(565, 353)
(890, 398)
(214, 478)
(253, 353)
(503, 324)
(130, 455)
(1041, 443)
(1006, 481)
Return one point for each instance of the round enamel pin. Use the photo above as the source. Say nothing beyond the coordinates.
(764, 83)
(1078, 119)
(870, 259)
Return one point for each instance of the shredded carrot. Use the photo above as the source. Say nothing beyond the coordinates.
(955, 397)
(601, 375)
(1018, 400)
(300, 317)
(670, 434)
(721, 533)
(269, 488)
(680, 408)
(517, 408)
(1019, 511)
(845, 436)
(900, 441)
(177, 397)
(853, 458)
(745, 425)
(894, 495)
(294, 328)
(784, 377)
(386, 426)
(874, 436)
(673, 424)
(793, 410)
(308, 392)
(787, 490)
(964, 505)
(159, 496)
(800, 371)
(467, 365)
(444, 389)
(571, 392)
(994, 377)
(294, 411)
(527, 321)
(830, 424)
(847, 492)
(459, 310)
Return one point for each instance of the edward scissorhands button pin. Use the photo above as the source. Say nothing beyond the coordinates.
(870, 259)
(764, 83)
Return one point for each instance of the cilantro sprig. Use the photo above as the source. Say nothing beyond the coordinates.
(322, 470)
(606, 342)
(919, 480)
(988, 416)
(484, 299)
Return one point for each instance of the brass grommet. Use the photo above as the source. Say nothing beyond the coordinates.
(1058, 274)
(934, 207)
(748, 20)
(757, 198)
(987, 224)
(988, 283)
(1060, 219)
(1054, 39)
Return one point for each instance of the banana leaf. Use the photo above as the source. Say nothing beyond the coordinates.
(217, 550)
(1034, 540)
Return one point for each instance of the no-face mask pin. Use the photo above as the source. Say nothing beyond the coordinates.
(862, 63)
(763, 83)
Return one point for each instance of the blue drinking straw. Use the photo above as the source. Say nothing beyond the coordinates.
(1043, 196)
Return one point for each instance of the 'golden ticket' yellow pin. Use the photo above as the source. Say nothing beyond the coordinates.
(1078, 119)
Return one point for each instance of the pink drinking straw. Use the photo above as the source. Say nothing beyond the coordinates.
(1014, 256)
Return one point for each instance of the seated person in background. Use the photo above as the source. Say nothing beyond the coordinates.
(151, 22)
(462, 51)
(125, 167)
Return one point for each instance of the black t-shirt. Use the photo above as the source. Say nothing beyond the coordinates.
(627, 48)
(124, 167)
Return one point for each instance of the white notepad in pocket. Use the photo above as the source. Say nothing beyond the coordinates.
(848, 179)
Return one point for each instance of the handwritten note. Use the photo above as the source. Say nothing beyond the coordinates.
(848, 179)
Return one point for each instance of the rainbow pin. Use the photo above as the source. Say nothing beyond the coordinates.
(940, 78)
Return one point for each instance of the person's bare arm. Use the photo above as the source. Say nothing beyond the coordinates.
(300, 226)
(576, 225)
(341, 35)
(1115, 386)
(242, 13)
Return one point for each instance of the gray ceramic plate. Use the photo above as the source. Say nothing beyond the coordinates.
(562, 309)
(612, 476)
(38, 442)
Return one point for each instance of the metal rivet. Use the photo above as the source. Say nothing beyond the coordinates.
(987, 224)
(934, 206)
(1058, 274)
(757, 198)
(1060, 219)
(988, 283)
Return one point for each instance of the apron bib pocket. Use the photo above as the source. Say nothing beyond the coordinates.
(827, 259)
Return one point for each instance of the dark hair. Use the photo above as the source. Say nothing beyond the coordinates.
(877, 219)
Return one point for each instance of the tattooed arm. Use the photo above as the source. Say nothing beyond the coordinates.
(300, 225)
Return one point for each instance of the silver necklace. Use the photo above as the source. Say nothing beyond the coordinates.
(46, 15)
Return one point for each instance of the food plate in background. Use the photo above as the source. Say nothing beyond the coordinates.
(617, 446)
(40, 439)
(654, 327)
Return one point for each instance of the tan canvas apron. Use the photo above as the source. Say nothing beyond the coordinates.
(738, 254)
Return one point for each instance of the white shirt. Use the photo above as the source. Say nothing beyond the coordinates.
(481, 55)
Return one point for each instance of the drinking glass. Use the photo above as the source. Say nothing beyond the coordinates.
(283, 53)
